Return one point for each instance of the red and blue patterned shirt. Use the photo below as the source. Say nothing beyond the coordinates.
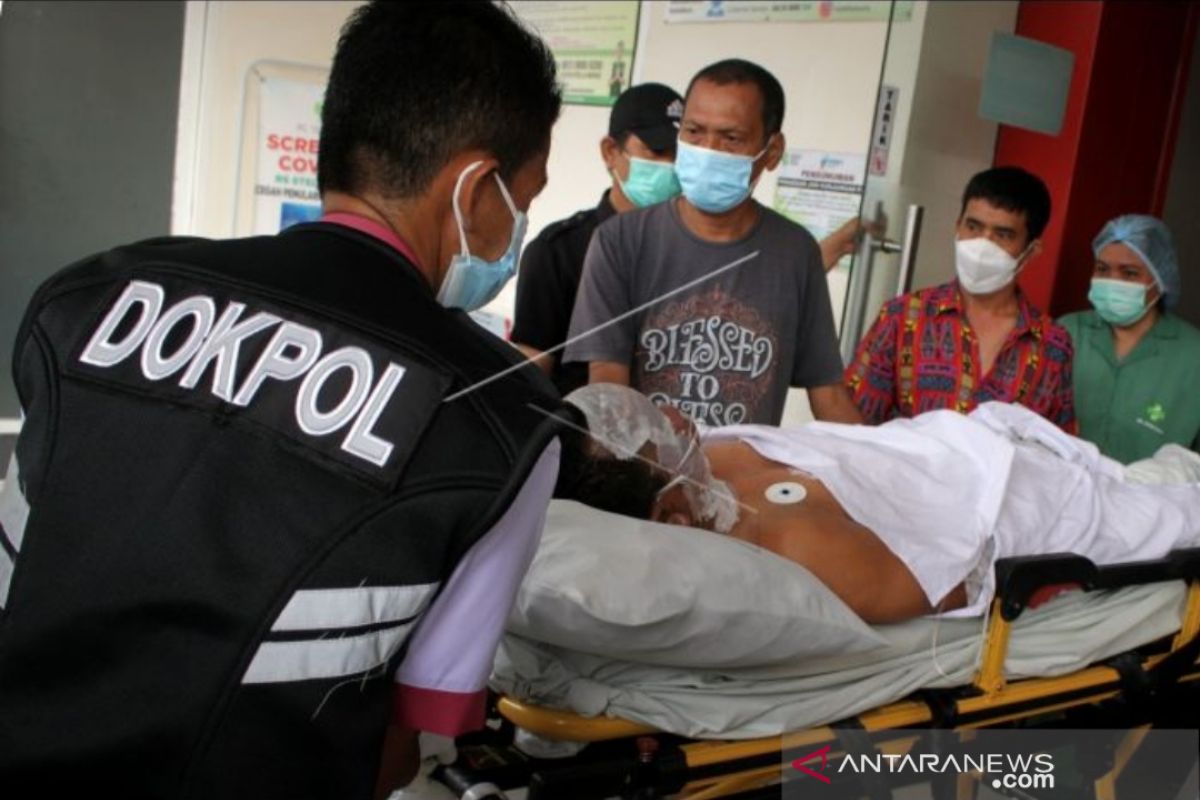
(921, 354)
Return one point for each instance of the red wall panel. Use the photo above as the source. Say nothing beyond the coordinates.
(1074, 26)
(1117, 134)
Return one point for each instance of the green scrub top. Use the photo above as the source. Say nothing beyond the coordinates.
(1150, 398)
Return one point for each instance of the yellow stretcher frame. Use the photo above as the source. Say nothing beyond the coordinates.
(998, 701)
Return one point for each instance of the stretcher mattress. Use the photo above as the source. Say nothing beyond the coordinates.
(1064, 635)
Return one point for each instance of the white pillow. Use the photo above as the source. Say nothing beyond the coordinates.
(662, 594)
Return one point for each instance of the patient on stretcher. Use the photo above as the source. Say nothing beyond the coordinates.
(899, 520)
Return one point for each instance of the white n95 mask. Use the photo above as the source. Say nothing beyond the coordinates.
(984, 266)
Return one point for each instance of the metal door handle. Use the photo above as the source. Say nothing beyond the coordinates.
(908, 256)
(858, 292)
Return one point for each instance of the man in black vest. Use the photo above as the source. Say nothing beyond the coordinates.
(267, 513)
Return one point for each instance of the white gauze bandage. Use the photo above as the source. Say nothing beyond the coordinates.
(623, 421)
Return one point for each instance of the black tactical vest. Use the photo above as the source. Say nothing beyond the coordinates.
(216, 434)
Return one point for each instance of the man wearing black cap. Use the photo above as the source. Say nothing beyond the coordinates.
(639, 153)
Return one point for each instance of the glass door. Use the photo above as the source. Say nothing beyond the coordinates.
(927, 140)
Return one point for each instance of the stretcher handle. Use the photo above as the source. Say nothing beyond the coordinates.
(1018, 580)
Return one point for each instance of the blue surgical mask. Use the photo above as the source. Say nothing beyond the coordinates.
(1118, 303)
(713, 181)
(471, 282)
(649, 182)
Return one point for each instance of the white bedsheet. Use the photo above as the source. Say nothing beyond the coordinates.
(1067, 634)
(949, 494)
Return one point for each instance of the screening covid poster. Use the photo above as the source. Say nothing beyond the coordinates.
(286, 143)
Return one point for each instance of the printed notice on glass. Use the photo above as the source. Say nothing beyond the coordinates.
(285, 174)
(787, 11)
(819, 189)
(593, 44)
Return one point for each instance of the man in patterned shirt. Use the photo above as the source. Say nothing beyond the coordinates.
(978, 337)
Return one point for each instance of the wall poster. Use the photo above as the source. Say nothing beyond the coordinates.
(819, 189)
(593, 44)
(787, 10)
(281, 130)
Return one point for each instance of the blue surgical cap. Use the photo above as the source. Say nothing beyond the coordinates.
(1149, 238)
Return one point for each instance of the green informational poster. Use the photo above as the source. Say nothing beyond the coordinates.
(593, 43)
(787, 10)
(820, 189)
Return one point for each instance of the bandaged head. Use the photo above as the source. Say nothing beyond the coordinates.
(623, 422)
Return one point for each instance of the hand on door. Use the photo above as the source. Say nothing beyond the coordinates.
(844, 240)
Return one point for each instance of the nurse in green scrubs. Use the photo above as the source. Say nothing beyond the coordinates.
(1137, 365)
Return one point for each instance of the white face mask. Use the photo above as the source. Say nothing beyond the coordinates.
(984, 266)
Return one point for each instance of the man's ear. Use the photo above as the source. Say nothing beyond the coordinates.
(479, 172)
(666, 516)
(1034, 250)
(671, 507)
(609, 152)
(775, 150)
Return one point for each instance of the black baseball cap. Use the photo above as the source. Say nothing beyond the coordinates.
(652, 111)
